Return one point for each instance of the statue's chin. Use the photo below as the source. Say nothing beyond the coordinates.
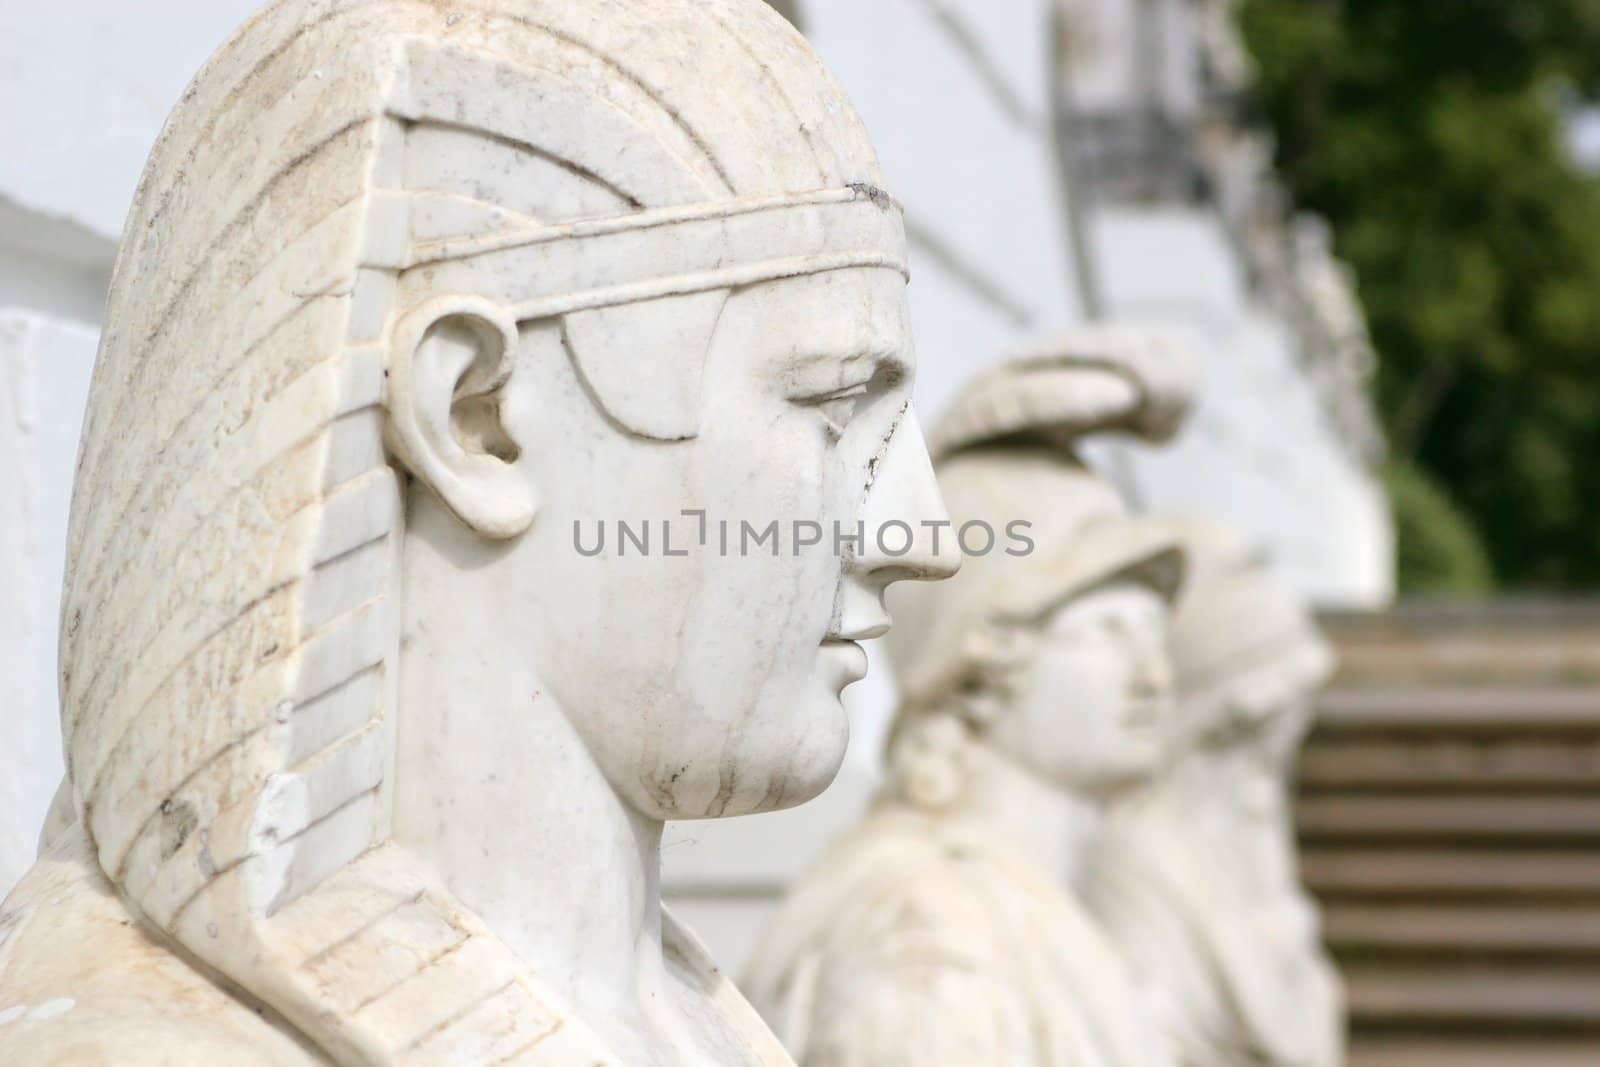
(771, 779)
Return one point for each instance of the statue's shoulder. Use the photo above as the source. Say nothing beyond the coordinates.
(692, 965)
(916, 942)
(890, 952)
(899, 879)
(891, 902)
(82, 980)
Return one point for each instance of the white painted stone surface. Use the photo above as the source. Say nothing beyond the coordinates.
(1187, 225)
(1122, 50)
(44, 377)
(87, 85)
(1260, 453)
(956, 95)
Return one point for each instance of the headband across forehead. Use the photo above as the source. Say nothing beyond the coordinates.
(605, 277)
(556, 269)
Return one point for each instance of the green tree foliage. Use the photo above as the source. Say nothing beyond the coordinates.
(1440, 553)
(1431, 134)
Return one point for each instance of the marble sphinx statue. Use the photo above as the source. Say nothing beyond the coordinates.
(1196, 879)
(942, 930)
(367, 764)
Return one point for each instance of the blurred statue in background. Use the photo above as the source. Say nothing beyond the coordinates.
(1195, 878)
(368, 760)
(1035, 686)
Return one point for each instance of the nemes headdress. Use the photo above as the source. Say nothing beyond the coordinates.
(1006, 450)
(230, 633)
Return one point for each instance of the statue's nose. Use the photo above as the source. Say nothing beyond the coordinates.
(905, 510)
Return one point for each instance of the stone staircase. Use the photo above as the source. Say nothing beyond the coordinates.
(1449, 814)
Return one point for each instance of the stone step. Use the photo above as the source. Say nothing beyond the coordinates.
(1458, 1051)
(1335, 872)
(1519, 713)
(1449, 810)
(1448, 819)
(1468, 996)
(1462, 930)
(1428, 765)
(1506, 641)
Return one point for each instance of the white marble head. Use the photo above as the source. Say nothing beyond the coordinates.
(1056, 659)
(409, 291)
(1248, 654)
(1053, 650)
(1195, 878)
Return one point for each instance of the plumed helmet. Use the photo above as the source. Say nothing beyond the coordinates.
(1006, 452)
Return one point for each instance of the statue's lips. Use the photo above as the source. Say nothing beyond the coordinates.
(847, 658)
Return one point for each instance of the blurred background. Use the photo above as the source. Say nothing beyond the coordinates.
(1376, 224)
(1454, 150)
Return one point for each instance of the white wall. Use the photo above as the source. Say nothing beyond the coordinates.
(87, 85)
(1260, 452)
(84, 88)
(44, 377)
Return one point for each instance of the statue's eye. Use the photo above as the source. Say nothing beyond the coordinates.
(838, 408)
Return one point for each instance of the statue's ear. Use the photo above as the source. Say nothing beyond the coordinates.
(447, 359)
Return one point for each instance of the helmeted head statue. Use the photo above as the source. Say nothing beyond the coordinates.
(1007, 456)
(1246, 649)
(355, 201)
(1197, 880)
